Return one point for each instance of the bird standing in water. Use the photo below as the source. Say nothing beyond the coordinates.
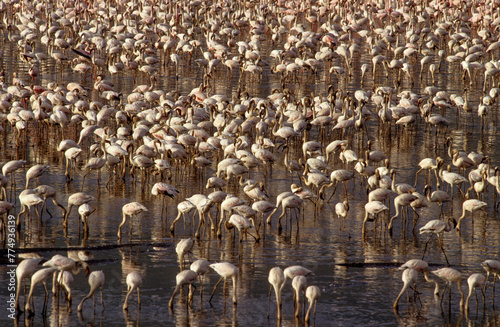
(96, 280)
(225, 270)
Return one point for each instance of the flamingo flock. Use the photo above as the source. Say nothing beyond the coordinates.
(219, 147)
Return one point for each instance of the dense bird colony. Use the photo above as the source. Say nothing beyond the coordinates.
(242, 117)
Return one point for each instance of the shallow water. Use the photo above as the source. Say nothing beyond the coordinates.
(358, 277)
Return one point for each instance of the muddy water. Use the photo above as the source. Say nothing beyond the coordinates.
(358, 277)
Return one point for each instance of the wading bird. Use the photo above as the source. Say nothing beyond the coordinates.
(96, 280)
(134, 281)
(409, 280)
(225, 270)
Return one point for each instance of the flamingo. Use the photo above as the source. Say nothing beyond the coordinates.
(201, 267)
(470, 205)
(183, 208)
(184, 246)
(312, 295)
(409, 280)
(277, 280)
(65, 279)
(242, 224)
(24, 270)
(428, 164)
(130, 209)
(46, 191)
(28, 199)
(292, 271)
(76, 199)
(474, 281)
(203, 205)
(164, 189)
(63, 263)
(134, 281)
(341, 210)
(292, 201)
(437, 227)
(422, 266)
(225, 270)
(491, 267)
(85, 210)
(96, 280)
(71, 154)
(39, 277)
(185, 277)
(402, 200)
(436, 196)
(299, 284)
(452, 179)
(373, 208)
(10, 168)
(96, 163)
(35, 172)
(451, 275)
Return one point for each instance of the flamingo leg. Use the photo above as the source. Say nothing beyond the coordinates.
(215, 287)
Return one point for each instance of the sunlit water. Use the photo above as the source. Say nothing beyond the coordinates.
(358, 278)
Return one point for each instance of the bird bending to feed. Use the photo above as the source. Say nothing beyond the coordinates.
(96, 280)
(491, 267)
(450, 275)
(201, 267)
(299, 284)
(225, 270)
(39, 277)
(184, 246)
(277, 281)
(134, 281)
(185, 277)
(292, 271)
(312, 294)
(24, 270)
(130, 209)
(471, 206)
(409, 280)
(475, 280)
(422, 266)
